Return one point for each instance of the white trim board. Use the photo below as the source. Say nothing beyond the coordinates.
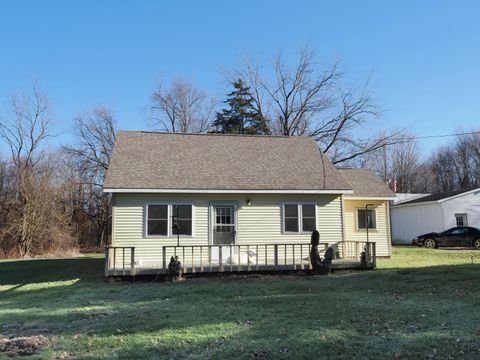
(369, 198)
(219, 191)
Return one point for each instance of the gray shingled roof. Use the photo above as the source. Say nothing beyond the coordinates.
(365, 183)
(149, 160)
(437, 196)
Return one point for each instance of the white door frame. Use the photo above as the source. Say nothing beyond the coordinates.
(211, 218)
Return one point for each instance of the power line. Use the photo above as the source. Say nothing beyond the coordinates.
(442, 135)
(419, 137)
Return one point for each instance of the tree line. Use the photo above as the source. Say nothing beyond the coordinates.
(449, 167)
(51, 198)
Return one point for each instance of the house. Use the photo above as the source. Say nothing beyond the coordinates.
(368, 204)
(211, 199)
(434, 212)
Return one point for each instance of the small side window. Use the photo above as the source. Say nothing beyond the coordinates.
(461, 220)
(157, 221)
(291, 218)
(364, 218)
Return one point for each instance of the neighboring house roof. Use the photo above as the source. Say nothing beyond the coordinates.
(439, 197)
(366, 184)
(152, 161)
(404, 197)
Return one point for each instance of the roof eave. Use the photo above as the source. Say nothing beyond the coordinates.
(370, 197)
(407, 204)
(228, 191)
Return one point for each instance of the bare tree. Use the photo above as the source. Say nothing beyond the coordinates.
(95, 132)
(31, 210)
(182, 107)
(457, 166)
(308, 100)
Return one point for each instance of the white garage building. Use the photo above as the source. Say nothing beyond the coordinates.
(434, 212)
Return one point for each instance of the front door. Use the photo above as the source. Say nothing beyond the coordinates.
(224, 231)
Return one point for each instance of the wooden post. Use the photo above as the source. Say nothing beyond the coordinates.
(301, 257)
(164, 256)
(256, 258)
(266, 256)
(201, 258)
(220, 258)
(248, 258)
(114, 259)
(276, 256)
(183, 259)
(107, 260)
(239, 266)
(123, 261)
(309, 260)
(367, 255)
(209, 258)
(193, 261)
(356, 251)
(293, 256)
(374, 255)
(231, 259)
(132, 261)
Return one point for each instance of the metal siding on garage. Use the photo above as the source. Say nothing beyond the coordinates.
(409, 221)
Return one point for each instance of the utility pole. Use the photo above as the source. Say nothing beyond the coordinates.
(385, 177)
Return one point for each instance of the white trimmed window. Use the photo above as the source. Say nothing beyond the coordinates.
(365, 217)
(169, 219)
(299, 218)
(182, 219)
(461, 220)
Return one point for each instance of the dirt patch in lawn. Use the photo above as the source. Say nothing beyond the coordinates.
(22, 345)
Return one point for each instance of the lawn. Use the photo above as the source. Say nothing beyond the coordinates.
(421, 304)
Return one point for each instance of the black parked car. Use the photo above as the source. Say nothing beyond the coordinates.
(454, 237)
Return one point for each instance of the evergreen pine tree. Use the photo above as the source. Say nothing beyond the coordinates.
(241, 117)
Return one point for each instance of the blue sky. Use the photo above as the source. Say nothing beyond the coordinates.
(423, 56)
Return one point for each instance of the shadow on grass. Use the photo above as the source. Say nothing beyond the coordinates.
(50, 270)
(375, 313)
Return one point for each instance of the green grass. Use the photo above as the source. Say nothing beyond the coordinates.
(421, 304)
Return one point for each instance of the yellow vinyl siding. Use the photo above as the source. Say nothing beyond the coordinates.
(380, 235)
(259, 223)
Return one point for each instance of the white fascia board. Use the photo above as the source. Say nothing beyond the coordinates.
(370, 198)
(414, 204)
(218, 191)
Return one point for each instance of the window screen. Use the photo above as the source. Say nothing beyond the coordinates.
(157, 222)
(308, 218)
(291, 218)
(182, 219)
(362, 221)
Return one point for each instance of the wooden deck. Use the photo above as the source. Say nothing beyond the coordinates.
(195, 259)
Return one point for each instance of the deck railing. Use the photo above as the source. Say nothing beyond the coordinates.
(213, 258)
(121, 260)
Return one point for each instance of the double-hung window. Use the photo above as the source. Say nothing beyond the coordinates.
(365, 217)
(299, 218)
(169, 219)
(182, 219)
(157, 223)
